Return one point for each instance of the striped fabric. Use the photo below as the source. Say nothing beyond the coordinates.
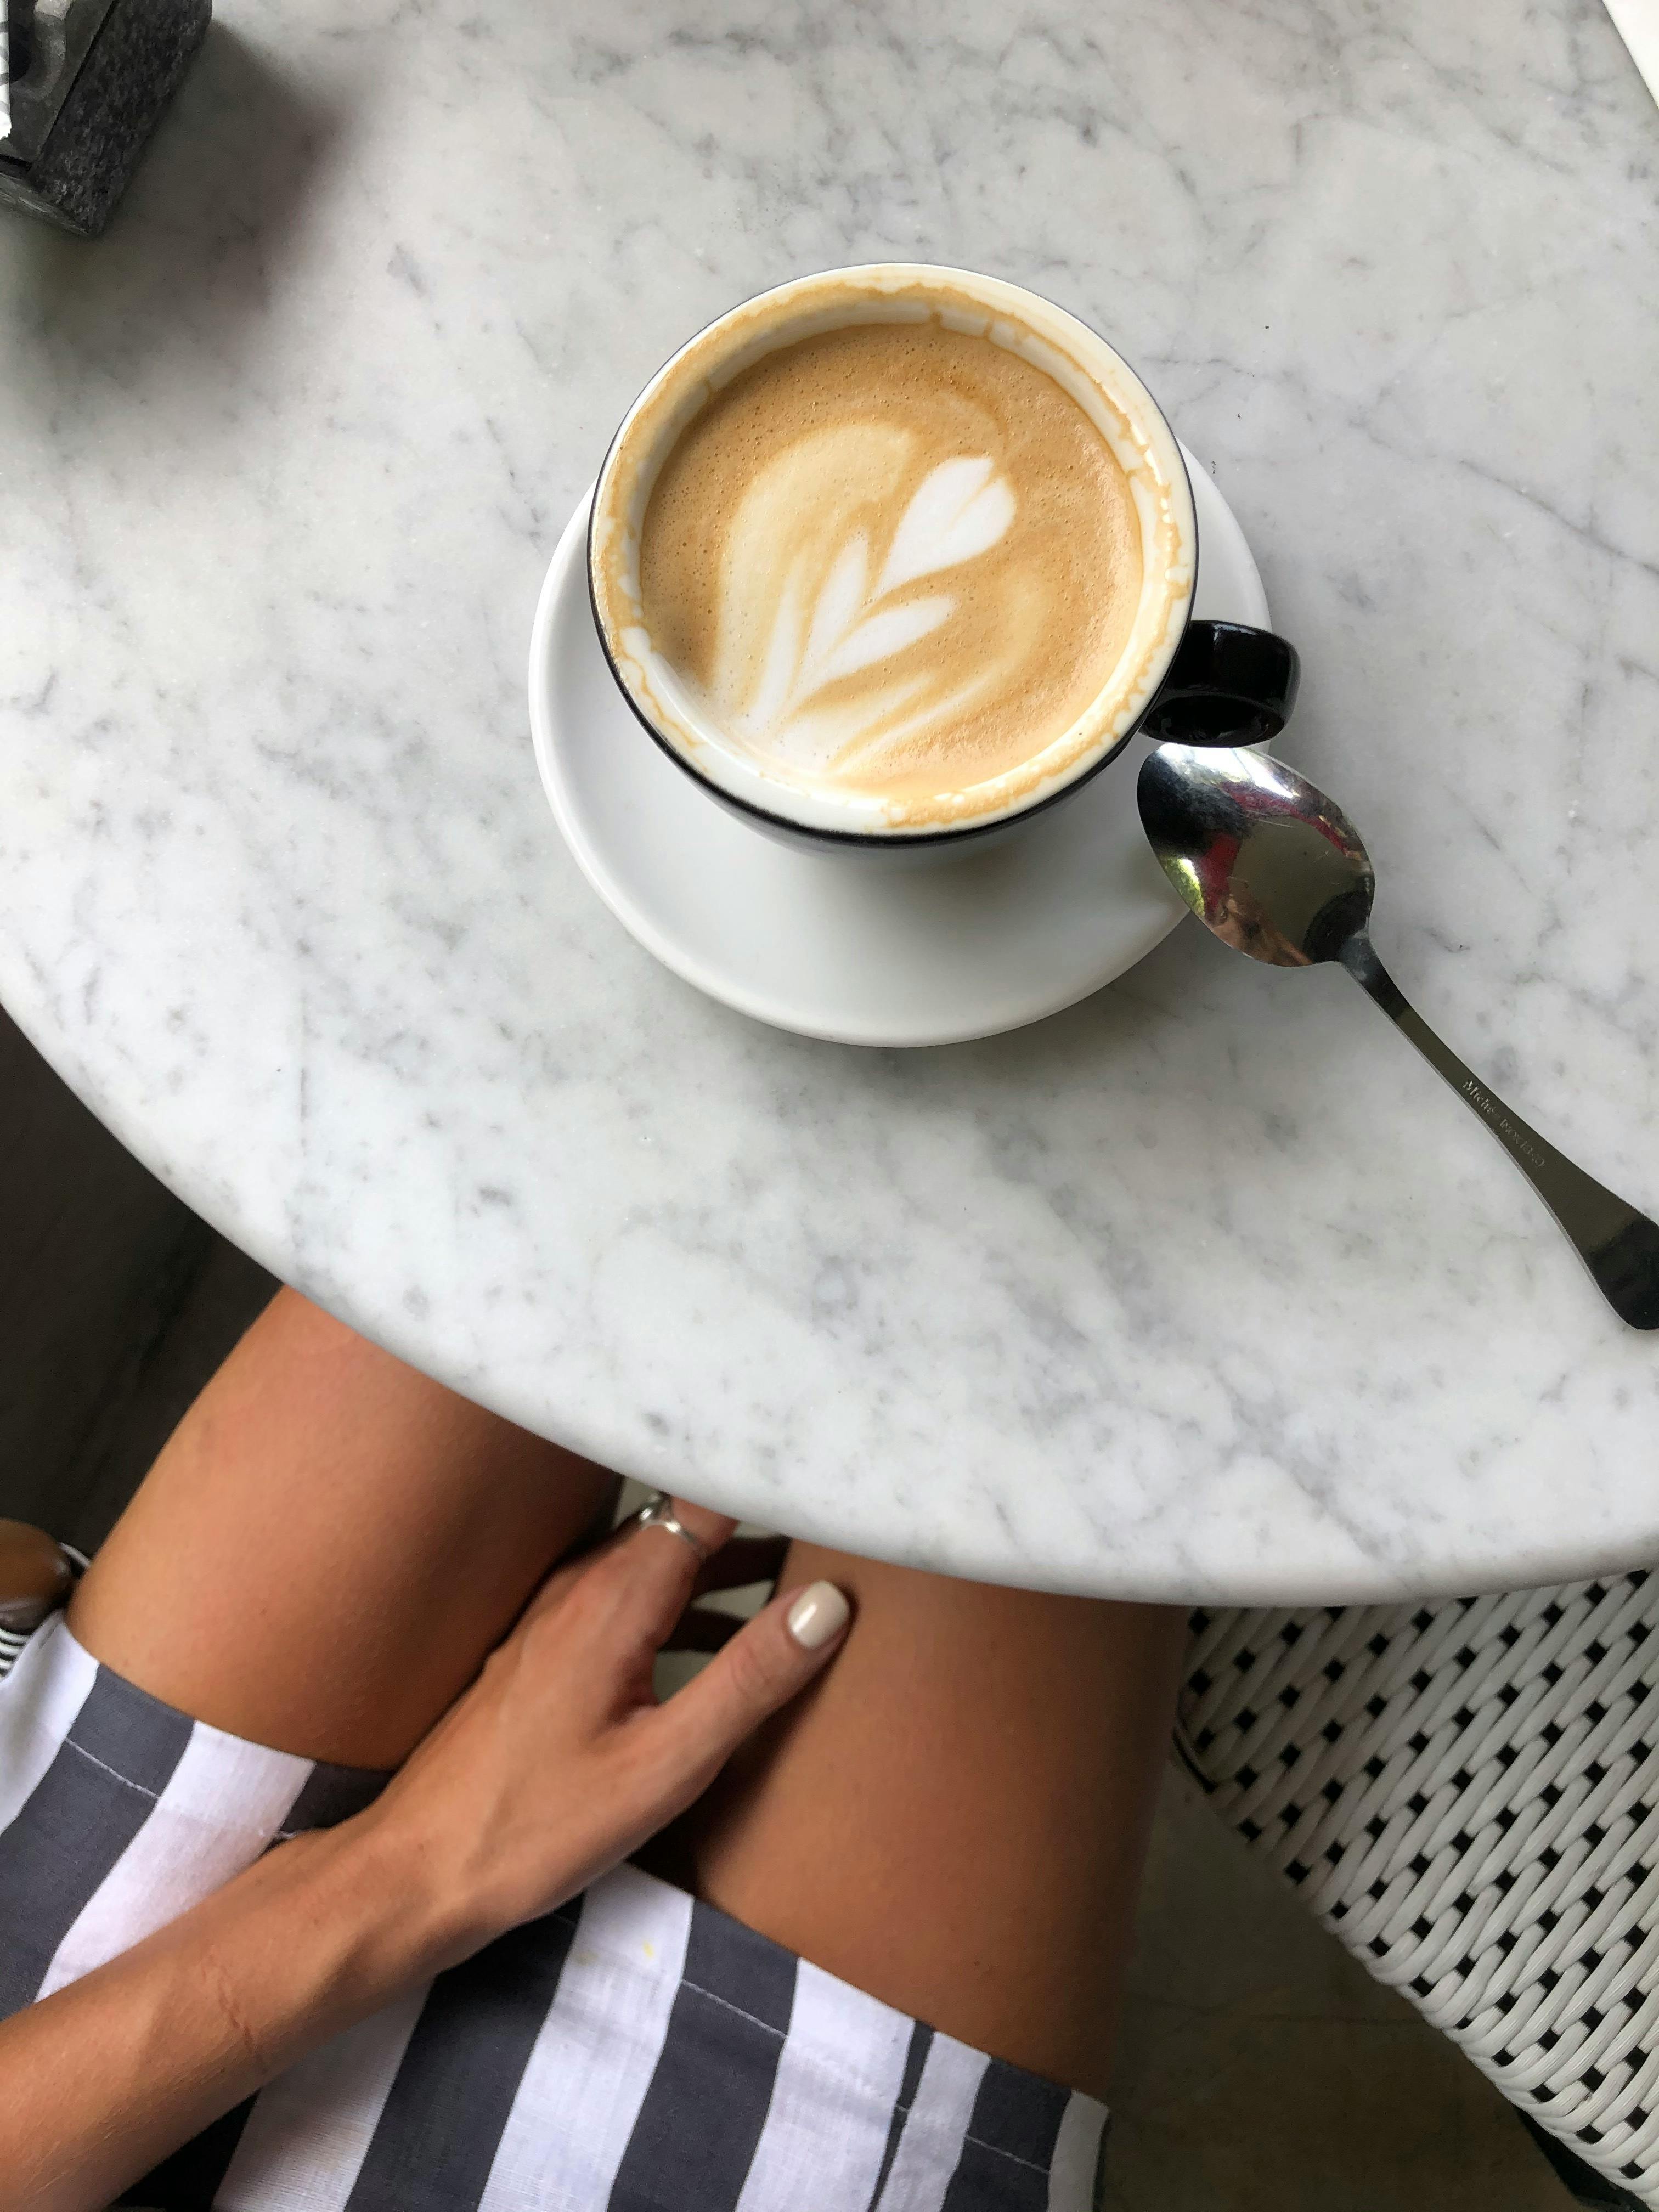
(635, 2051)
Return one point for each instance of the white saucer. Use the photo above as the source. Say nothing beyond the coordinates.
(832, 946)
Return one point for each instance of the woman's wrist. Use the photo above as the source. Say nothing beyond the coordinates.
(385, 1886)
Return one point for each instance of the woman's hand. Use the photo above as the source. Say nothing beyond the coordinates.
(554, 1765)
(559, 1760)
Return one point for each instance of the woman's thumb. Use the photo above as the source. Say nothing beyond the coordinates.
(763, 1666)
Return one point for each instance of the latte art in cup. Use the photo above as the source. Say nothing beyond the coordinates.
(892, 552)
(891, 559)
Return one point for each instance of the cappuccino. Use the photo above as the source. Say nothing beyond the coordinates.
(871, 551)
(894, 559)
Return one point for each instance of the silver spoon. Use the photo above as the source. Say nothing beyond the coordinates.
(1278, 871)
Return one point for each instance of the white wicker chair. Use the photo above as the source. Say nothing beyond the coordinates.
(1467, 1793)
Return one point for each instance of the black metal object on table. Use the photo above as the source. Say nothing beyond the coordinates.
(90, 81)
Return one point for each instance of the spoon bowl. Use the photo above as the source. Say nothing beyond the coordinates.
(1269, 863)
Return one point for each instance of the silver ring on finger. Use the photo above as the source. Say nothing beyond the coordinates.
(659, 1513)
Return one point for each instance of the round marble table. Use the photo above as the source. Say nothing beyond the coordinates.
(1205, 1288)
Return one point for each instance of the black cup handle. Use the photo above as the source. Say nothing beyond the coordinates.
(1229, 684)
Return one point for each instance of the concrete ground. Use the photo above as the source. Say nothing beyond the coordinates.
(1262, 2069)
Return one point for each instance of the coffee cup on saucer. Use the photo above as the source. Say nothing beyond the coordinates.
(894, 559)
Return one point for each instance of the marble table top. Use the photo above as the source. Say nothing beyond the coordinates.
(1205, 1288)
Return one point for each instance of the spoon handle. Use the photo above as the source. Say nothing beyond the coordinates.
(1619, 1246)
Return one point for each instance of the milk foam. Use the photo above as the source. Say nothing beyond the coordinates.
(889, 559)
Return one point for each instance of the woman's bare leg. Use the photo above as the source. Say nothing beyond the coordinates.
(954, 1818)
(328, 1546)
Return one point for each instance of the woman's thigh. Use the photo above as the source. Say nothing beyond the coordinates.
(956, 1815)
(329, 1546)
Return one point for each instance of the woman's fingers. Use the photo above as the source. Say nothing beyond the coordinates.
(648, 1576)
(711, 1532)
(768, 1662)
(656, 1571)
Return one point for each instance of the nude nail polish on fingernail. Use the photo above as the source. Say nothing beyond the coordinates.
(819, 1612)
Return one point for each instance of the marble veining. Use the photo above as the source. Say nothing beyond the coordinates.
(1206, 1287)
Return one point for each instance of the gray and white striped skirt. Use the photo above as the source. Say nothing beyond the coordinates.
(636, 2051)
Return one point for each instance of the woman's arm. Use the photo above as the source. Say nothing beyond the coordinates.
(556, 1763)
(106, 2077)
